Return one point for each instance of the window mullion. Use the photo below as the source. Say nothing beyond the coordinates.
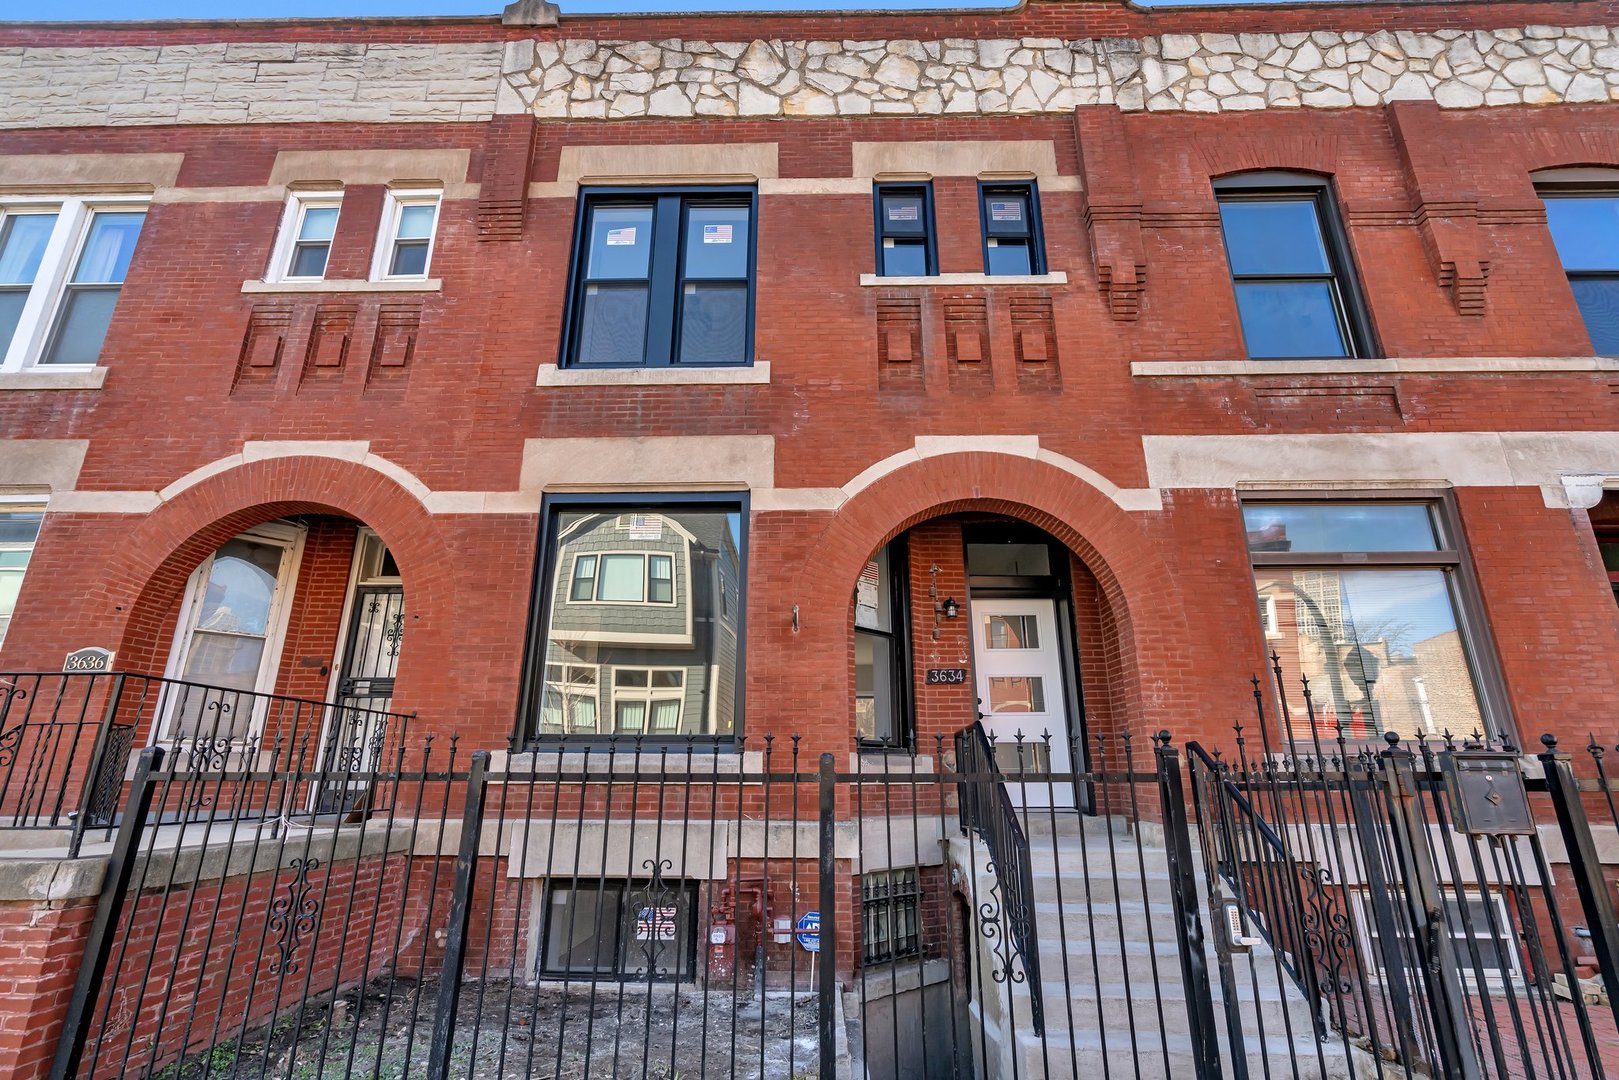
(663, 292)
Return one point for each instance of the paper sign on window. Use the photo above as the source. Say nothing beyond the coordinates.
(656, 924)
(1006, 211)
(903, 212)
(716, 234)
(621, 237)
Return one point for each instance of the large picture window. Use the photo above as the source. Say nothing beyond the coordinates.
(663, 277)
(629, 930)
(1365, 600)
(641, 615)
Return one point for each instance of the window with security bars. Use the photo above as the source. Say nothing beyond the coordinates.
(890, 920)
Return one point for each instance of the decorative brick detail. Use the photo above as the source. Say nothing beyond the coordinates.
(503, 195)
(966, 330)
(899, 341)
(1446, 208)
(329, 343)
(264, 344)
(1112, 209)
(395, 343)
(1034, 331)
(1286, 408)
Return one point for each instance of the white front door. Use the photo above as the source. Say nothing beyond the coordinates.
(1017, 657)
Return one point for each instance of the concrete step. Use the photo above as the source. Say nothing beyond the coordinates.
(1115, 1007)
(1093, 1056)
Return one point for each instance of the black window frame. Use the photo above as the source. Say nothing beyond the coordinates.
(1451, 556)
(1566, 189)
(665, 273)
(930, 232)
(1035, 235)
(899, 641)
(532, 693)
(686, 890)
(1354, 317)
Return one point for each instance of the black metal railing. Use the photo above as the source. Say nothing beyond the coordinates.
(66, 741)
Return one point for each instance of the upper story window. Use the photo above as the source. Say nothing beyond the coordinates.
(405, 245)
(1372, 603)
(639, 618)
(906, 245)
(1290, 267)
(662, 278)
(62, 268)
(1011, 218)
(305, 243)
(1585, 227)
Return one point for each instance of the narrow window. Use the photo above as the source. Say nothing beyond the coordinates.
(905, 241)
(640, 628)
(1010, 216)
(307, 230)
(19, 528)
(1585, 228)
(881, 670)
(1365, 600)
(663, 277)
(409, 221)
(889, 915)
(91, 293)
(1290, 269)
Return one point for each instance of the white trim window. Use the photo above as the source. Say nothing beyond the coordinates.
(1486, 927)
(303, 247)
(63, 261)
(570, 699)
(622, 577)
(648, 699)
(405, 245)
(19, 529)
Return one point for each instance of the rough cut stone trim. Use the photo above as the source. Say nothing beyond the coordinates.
(247, 83)
(1171, 72)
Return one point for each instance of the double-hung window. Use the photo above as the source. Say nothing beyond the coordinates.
(62, 267)
(1585, 227)
(1370, 601)
(1011, 220)
(905, 235)
(663, 278)
(19, 528)
(405, 244)
(305, 243)
(639, 617)
(1290, 268)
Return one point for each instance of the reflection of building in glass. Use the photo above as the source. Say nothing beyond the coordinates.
(643, 633)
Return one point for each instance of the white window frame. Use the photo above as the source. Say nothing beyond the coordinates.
(1458, 940)
(37, 323)
(388, 233)
(648, 695)
(15, 504)
(292, 218)
(564, 693)
(646, 558)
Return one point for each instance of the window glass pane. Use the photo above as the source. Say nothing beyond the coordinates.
(620, 242)
(666, 715)
(873, 604)
(1273, 236)
(874, 688)
(582, 927)
(685, 650)
(1016, 694)
(22, 245)
(107, 249)
(661, 580)
(410, 259)
(584, 578)
(1011, 632)
(1008, 560)
(1381, 649)
(86, 314)
(612, 325)
(319, 223)
(20, 526)
(1586, 231)
(240, 588)
(1599, 306)
(1339, 527)
(632, 715)
(658, 931)
(714, 324)
(1009, 257)
(10, 586)
(11, 305)
(905, 258)
(623, 579)
(1289, 318)
(309, 260)
(416, 221)
(717, 242)
(903, 213)
(1006, 213)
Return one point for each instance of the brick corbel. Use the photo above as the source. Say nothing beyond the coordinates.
(1445, 211)
(503, 195)
(1112, 209)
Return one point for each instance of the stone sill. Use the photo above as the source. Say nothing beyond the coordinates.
(342, 286)
(1441, 365)
(1057, 277)
(551, 375)
(75, 378)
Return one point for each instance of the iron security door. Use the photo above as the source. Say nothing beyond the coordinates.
(365, 685)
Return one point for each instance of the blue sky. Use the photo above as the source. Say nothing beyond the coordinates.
(281, 9)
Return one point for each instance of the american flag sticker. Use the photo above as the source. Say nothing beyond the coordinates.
(1006, 211)
(903, 212)
(624, 237)
(656, 924)
(716, 234)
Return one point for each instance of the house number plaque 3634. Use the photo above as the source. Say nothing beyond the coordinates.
(946, 676)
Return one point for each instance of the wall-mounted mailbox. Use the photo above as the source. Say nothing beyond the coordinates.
(1487, 795)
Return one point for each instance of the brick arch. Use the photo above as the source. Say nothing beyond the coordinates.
(1141, 598)
(1570, 150)
(141, 586)
(1299, 153)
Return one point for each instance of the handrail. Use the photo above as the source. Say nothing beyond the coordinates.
(987, 809)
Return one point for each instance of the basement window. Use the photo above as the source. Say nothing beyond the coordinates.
(636, 931)
(890, 920)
